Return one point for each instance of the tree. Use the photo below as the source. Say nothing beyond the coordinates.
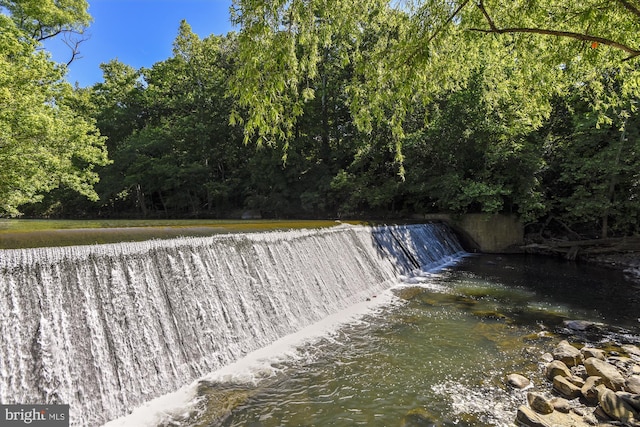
(432, 47)
(44, 143)
(41, 20)
(168, 132)
(591, 174)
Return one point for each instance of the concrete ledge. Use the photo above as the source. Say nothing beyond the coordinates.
(485, 232)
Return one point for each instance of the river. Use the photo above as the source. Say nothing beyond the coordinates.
(440, 353)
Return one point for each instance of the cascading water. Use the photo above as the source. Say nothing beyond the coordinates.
(105, 328)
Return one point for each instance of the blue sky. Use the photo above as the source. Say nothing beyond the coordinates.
(138, 33)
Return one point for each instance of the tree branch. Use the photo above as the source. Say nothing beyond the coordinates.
(437, 31)
(555, 33)
(44, 37)
(448, 21)
(74, 45)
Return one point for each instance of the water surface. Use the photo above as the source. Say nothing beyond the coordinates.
(440, 356)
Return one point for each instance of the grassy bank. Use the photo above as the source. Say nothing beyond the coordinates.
(20, 233)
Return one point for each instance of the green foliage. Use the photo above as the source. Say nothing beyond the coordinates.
(44, 142)
(43, 19)
(422, 49)
(592, 176)
(168, 132)
(380, 109)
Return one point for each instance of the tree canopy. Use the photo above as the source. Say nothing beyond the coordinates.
(44, 142)
(379, 109)
(530, 50)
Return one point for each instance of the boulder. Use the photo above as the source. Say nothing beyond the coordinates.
(579, 371)
(561, 405)
(567, 354)
(418, 417)
(589, 391)
(588, 352)
(578, 325)
(632, 350)
(518, 381)
(616, 407)
(546, 358)
(575, 380)
(556, 368)
(539, 403)
(632, 399)
(563, 386)
(527, 417)
(633, 384)
(611, 377)
(624, 364)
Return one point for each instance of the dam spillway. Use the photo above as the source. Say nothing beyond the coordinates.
(105, 328)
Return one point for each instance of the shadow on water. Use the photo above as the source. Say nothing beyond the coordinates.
(606, 295)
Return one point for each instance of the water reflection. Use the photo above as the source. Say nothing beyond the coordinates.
(440, 357)
(599, 293)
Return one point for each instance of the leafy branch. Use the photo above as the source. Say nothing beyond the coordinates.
(494, 29)
(631, 8)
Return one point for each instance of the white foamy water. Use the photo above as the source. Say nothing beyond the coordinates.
(107, 328)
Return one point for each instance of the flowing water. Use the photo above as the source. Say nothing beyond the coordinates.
(441, 353)
(109, 328)
(105, 328)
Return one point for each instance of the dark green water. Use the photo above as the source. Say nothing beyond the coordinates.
(440, 356)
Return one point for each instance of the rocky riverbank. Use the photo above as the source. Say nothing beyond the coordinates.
(621, 253)
(629, 262)
(585, 386)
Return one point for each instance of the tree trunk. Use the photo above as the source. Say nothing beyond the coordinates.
(141, 201)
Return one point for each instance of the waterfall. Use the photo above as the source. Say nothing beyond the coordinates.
(105, 328)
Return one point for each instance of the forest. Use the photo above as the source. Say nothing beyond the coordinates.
(319, 109)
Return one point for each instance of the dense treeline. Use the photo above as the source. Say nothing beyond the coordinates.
(184, 141)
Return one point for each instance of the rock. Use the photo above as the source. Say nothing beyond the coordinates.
(601, 416)
(538, 336)
(539, 403)
(566, 388)
(567, 353)
(489, 314)
(578, 325)
(624, 364)
(578, 410)
(590, 419)
(632, 350)
(589, 391)
(609, 374)
(518, 381)
(575, 380)
(633, 384)
(556, 368)
(632, 399)
(561, 405)
(588, 352)
(547, 358)
(579, 371)
(418, 417)
(615, 406)
(529, 418)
